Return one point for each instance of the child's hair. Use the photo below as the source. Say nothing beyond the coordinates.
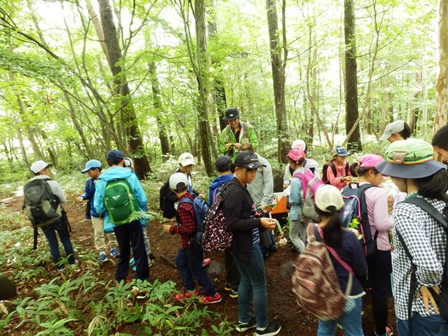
(356, 171)
(440, 139)
(301, 161)
(181, 187)
(406, 132)
(247, 146)
(434, 186)
(114, 161)
(333, 230)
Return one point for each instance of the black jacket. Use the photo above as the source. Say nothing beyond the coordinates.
(238, 207)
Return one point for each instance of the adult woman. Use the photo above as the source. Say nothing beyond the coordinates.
(380, 264)
(412, 169)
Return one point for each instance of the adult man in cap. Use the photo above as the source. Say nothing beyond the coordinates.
(128, 234)
(235, 133)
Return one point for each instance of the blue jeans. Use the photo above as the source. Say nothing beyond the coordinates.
(351, 322)
(253, 277)
(189, 265)
(50, 232)
(423, 326)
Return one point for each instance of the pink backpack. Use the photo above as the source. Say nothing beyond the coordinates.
(310, 184)
(315, 283)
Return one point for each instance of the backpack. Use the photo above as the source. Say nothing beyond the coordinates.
(215, 236)
(120, 201)
(354, 215)
(167, 198)
(442, 298)
(315, 282)
(41, 205)
(333, 168)
(200, 212)
(310, 184)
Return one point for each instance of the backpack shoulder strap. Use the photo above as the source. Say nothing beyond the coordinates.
(429, 209)
(346, 168)
(333, 169)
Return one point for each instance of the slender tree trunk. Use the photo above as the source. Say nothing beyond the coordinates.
(351, 78)
(278, 75)
(121, 90)
(441, 115)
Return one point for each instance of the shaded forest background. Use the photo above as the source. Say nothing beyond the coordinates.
(153, 78)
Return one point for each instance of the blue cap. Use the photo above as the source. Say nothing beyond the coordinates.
(91, 164)
(114, 154)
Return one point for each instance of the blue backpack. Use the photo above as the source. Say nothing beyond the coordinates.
(200, 211)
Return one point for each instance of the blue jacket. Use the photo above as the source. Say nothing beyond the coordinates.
(117, 172)
(295, 196)
(89, 193)
(219, 181)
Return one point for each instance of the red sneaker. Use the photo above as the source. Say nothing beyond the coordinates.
(187, 295)
(206, 262)
(211, 299)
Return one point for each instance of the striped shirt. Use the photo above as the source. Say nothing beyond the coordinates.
(426, 241)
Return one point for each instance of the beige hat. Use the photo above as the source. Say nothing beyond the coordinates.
(328, 195)
(178, 180)
(186, 159)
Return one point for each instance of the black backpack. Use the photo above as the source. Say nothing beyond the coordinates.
(167, 198)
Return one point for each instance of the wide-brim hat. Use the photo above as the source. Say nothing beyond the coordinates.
(231, 114)
(411, 158)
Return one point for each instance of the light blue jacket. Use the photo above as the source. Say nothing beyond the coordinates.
(295, 196)
(117, 172)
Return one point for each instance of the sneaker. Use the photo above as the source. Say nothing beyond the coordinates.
(114, 252)
(132, 262)
(211, 299)
(272, 329)
(135, 266)
(75, 264)
(187, 295)
(242, 327)
(206, 262)
(141, 294)
(60, 268)
(102, 257)
(228, 287)
(389, 330)
(233, 293)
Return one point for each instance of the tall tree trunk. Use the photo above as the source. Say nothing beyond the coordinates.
(351, 78)
(441, 115)
(121, 90)
(278, 75)
(157, 102)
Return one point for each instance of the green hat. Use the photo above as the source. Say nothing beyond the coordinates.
(411, 158)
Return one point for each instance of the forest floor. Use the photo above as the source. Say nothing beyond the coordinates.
(281, 303)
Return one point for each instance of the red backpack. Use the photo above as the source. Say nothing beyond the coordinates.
(310, 184)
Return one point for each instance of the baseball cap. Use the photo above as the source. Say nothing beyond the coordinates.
(128, 163)
(186, 159)
(91, 164)
(114, 154)
(299, 144)
(328, 195)
(296, 154)
(339, 150)
(231, 114)
(392, 128)
(223, 163)
(369, 161)
(247, 159)
(40, 165)
(411, 158)
(178, 180)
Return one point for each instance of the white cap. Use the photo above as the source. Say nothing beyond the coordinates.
(392, 128)
(328, 195)
(186, 159)
(128, 163)
(37, 166)
(299, 144)
(178, 180)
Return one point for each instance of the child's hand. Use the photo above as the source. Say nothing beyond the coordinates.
(268, 223)
(166, 227)
(79, 199)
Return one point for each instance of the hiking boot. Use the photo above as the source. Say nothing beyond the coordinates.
(102, 257)
(244, 326)
(74, 265)
(114, 252)
(272, 329)
(233, 293)
(187, 295)
(211, 299)
(206, 262)
(228, 287)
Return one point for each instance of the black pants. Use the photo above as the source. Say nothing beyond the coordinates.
(131, 235)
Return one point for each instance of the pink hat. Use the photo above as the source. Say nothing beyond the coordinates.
(299, 144)
(296, 154)
(369, 161)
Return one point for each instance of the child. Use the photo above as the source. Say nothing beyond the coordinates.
(189, 256)
(93, 169)
(309, 163)
(328, 205)
(343, 175)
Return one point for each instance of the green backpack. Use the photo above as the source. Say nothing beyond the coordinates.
(120, 201)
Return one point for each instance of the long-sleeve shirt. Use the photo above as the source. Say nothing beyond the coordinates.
(228, 136)
(186, 220)
(295, 196)
(89, 193)
(379, 220)
(335, 180)
(426, 241)
(262, 187)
